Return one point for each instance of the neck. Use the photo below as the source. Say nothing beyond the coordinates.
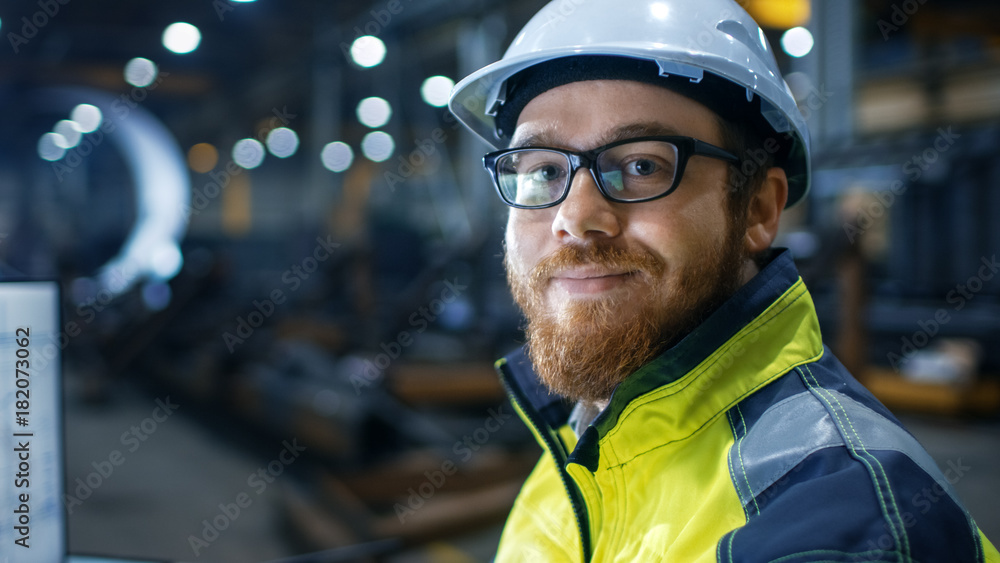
(750, 269)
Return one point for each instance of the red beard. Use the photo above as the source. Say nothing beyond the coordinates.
(584, 351)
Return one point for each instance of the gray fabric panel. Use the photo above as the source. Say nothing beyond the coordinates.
(801, 425)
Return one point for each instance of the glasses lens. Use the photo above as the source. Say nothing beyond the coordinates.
(532, 177)
(639, 170)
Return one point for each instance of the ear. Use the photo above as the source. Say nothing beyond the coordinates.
(765, 211)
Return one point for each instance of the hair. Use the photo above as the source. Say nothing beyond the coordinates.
(745, 177)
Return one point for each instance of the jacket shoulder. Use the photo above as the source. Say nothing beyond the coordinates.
(825, 472)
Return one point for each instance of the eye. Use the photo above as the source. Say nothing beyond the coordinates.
(547, 173)
(641, 167)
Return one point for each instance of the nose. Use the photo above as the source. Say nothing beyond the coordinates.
(585, 212)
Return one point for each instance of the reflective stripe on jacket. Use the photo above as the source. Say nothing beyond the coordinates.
(747, 441)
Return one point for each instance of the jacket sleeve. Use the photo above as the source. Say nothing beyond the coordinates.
(827, 474)
(827, 508)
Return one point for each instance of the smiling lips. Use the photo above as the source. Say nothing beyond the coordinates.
(590, 281)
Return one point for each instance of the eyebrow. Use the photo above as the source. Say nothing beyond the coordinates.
(547, 138)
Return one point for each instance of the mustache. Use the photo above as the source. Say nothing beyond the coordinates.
(609, 257)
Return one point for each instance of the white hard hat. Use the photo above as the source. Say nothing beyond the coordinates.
(686, 39)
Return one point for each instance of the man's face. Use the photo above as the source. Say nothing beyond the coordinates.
(606, 286)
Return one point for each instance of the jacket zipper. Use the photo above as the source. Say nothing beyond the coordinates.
(558, 455)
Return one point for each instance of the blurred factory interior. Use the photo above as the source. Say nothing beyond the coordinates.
(262, 212)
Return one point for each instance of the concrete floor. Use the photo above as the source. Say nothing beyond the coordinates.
(164, 482)
(160, 494)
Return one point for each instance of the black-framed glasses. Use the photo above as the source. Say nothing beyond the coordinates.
(627, 171)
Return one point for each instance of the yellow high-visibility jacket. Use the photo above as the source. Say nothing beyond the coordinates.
(747, 441)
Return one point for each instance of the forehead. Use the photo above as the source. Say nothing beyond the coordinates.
(583, 115)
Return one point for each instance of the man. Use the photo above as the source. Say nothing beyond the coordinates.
(674, 371)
